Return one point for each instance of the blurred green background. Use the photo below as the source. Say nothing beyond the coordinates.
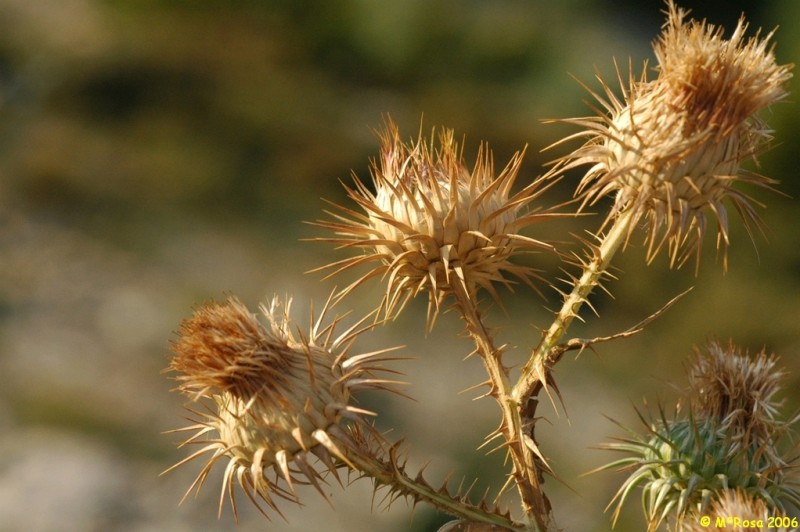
(155, 155)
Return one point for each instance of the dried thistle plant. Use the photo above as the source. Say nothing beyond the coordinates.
(434, 226)
(671, 151)
(277, 405)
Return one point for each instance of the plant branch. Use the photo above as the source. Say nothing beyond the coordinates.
(535, 374)
(389, 471)
(526, 472)
(580, 344)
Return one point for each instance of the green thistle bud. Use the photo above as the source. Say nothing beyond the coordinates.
(730, 438)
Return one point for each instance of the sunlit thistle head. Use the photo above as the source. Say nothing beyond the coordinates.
(429, 222)
(269, 395)
(672, 148)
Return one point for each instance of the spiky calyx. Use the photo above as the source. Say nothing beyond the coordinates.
(686, 463)
(672, 148)
(270, 396)
(430, 222)
(729, 438)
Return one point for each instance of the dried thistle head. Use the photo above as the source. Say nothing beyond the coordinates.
(729, 438)
(428, 222)
(737, 390)
(672, 148)
(269, 396)
(225, 348)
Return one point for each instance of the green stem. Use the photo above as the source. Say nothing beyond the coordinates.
(546, 355)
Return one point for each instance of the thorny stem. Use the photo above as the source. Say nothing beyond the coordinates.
(536, 372)
(526, 473)
(389, 473)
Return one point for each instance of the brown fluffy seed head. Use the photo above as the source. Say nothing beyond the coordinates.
(720, 84)
(429, 222)
(737, 390)
(271, 396)
(224, 348)
(672, 148)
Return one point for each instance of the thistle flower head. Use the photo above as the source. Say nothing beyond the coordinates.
(737, 390)
(672, 148)
(429, 222)
(720, 83)
(729, 438)
(684, 464)
(271, 397)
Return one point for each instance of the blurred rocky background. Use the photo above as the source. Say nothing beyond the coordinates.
(158, 154)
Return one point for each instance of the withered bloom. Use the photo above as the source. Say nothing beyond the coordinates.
(270, 396)
(738, 390)
(672, 148)
(429, 222)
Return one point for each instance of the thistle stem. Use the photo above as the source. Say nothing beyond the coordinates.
(535, 373)
(525, 473)
(388, 472)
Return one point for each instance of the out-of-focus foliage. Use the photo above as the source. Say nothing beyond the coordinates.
(156, 154)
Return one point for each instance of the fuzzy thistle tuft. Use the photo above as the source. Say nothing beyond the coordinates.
(738, 390)
(270, 397)
(430, 222)
(672, 148)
